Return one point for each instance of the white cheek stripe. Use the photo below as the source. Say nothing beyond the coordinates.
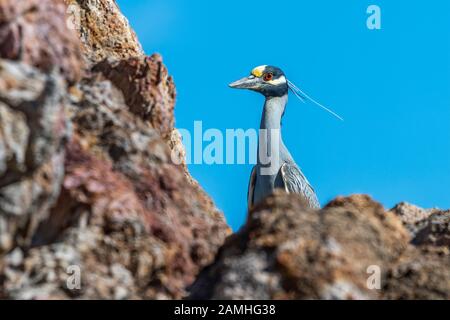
(278, 81)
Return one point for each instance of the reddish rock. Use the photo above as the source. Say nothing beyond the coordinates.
(124, 205)
(103, 30)
(35, 32)
(148, 89)
(93, 207)
(109, 202)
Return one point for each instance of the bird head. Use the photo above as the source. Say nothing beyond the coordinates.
(271, 82)
(267, 80)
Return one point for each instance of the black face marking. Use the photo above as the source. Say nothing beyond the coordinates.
(270, 90)
(277, 72)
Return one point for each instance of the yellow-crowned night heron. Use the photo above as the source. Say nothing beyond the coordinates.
(272, 83)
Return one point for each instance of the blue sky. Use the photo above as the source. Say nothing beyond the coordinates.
(392, 86)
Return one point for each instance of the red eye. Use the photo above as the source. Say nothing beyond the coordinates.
(268, 76)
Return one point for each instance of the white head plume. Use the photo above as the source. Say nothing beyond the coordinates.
(303, 97)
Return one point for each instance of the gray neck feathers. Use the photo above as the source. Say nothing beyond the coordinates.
(273, 111)
(271, 124)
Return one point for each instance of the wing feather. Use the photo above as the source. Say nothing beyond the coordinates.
(251, 188)
(295, 182)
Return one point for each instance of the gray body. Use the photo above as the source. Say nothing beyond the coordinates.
(287, 175)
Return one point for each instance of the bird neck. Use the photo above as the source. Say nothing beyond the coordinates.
(273, 112)
(270, 127)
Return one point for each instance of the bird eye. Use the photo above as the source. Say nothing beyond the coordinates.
(268, 76)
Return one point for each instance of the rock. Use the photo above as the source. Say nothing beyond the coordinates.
(103, 30)
(25, 27)
(33, 130)
(123, 201)
(148, 89)
(435, 230)
(111, 47)
(286, 251)
(89, 193)
(410, 215)
(93, 205)
(420, 274)
(426, 226)
(15, 258)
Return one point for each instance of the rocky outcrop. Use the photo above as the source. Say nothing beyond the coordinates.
(88, 189)
(93, 205)
(33, 31)
(420, 273)
(33, 131)
(148, 89)
(103, 30)
(427, 227)
(286, 251)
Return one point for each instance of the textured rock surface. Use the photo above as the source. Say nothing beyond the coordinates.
(430, 226)
(148, 89)
(419, 274)
(25, 29)
(103, 30)
(111, 47)
(92, 205)
(288, 252)
(33, 131)
(86, 178)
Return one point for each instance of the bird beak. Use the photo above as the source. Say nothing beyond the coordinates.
(250, 82)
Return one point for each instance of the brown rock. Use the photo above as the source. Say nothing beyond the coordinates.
(410, 214)
(112, 47)
(435, 230)
(288, 251)
(92, 205)
(148, 89)
(426, 226)
(33, 130)
(25, 27)
(107, 206)
(420, 274)
(123, 204)
(103, 30)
